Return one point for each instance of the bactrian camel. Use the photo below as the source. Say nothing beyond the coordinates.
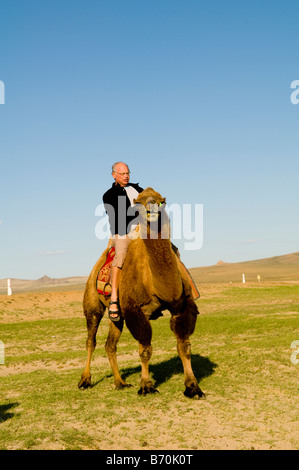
(151, 281)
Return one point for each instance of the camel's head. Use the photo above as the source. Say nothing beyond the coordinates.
(153, 203)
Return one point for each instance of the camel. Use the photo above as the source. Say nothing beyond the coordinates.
(152, 280)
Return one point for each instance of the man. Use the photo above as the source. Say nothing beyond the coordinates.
(118, 202)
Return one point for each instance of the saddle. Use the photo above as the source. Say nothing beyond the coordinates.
(103, 277)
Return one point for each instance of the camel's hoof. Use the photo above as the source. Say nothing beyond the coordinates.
(85, 382)
(194, 392)
(147, 389)
(121, 386)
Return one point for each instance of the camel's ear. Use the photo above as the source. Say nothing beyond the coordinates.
(136, 202)
(163, 201)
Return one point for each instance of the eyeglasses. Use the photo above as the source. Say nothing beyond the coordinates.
(123, 174)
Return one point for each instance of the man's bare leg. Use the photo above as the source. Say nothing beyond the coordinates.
(115, 277)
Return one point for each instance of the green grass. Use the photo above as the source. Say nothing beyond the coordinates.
(240, 354)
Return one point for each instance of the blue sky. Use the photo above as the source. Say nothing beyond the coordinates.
(193, 95)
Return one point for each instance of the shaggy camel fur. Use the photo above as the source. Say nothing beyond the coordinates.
(151, 281)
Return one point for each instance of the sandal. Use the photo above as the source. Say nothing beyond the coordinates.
(112, 312)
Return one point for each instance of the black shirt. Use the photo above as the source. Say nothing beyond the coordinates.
(117, 204)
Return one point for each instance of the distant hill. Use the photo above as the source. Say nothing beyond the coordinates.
(43, 283)
(277, 268)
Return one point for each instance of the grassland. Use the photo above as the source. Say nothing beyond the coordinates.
(241, 356)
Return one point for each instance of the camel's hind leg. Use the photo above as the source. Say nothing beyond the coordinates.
(92, 320)
(183, 326)
(115, 331)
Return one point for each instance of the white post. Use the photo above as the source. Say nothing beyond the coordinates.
(9, 292)
(243, 278)
(2, 353)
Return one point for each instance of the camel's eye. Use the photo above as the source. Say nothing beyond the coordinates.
(151, 203)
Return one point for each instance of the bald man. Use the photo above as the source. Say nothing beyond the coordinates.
(118, 201)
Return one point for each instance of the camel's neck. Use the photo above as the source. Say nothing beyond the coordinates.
(164, 268)
(161, 255)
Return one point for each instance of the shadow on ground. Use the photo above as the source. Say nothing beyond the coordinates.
(4, 414)
(163, 371)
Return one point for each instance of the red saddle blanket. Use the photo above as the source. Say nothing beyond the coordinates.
(103, 279)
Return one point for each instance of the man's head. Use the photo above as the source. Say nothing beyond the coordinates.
(121, 173)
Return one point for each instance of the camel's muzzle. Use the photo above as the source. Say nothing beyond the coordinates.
(152, 216)
(153, 213)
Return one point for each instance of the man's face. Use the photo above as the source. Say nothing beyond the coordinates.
(121, 174)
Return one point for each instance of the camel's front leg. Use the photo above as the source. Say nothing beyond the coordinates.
(191, 384)
(146, 385)
(183, 326)
(115, 331)
(140, 328)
